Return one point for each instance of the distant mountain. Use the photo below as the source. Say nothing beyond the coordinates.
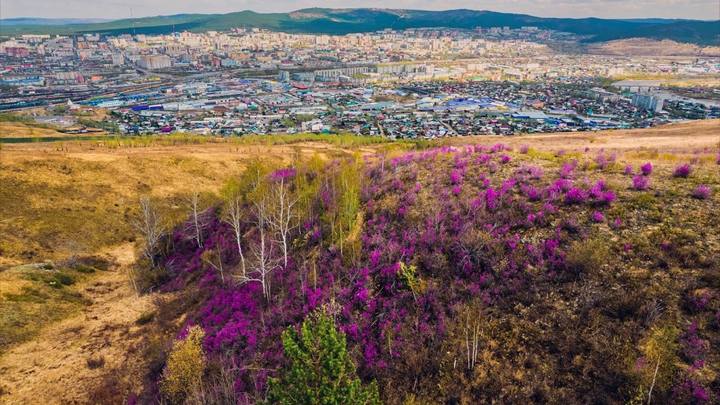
(23, 21)
(344, 21)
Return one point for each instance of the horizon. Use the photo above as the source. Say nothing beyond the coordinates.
(603, 9)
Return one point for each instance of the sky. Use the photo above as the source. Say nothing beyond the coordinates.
(113, 9)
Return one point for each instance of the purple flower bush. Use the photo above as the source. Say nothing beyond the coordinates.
(479, 230)
(603, 160)
(682, 171)
(568, 169)
(640, 183)
(646, 169)
(598, 216)
(702, 192)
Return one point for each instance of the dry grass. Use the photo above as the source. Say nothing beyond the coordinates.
(59, 200)
(683, 138)
(75, 344)
(21, 130)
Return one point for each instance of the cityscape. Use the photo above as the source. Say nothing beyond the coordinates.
(415, 83)
(405, 202)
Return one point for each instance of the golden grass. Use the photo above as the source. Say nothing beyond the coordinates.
(32, 297)
(66, 198)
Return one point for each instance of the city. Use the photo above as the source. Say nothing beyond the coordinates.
(423, 203)
(416, 83)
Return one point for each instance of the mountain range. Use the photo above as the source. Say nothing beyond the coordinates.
(345, 21)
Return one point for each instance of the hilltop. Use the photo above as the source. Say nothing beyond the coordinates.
(344, 21)
(575, 280)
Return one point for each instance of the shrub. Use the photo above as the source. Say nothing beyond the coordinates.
(575, 196)
(628, 170)
(185, 366)
(640, 183)
(598, 216)
(95, 362)
(588, 255)
(683, 170)
(702, 192)
(659, 357)
(145, 318)
(319, 370)
(646, 169)
(568, 169)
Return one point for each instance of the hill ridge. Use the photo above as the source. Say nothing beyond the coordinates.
(357, 20)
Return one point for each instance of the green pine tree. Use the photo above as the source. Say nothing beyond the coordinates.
(320, 371)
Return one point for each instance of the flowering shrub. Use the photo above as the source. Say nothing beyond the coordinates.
(603, 161)
(598, 216)
(683, 170)
(568, 169)
(640, 183)
(575, 196)
(702, 192)
(434, 257)
(283, 174)
(646, 169)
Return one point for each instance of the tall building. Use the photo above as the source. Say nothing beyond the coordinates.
(648, 102)
(152, 62)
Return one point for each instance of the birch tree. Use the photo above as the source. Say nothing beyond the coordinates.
(280, 218)
(195, 225)
(264, 261)
(150, 227)
(234, 217)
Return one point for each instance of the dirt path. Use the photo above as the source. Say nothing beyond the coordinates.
(70, 357)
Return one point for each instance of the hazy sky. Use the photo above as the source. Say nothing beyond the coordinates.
(700, 9)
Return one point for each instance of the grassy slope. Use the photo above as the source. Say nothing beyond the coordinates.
(77, 198)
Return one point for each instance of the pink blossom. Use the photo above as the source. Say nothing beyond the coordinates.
(640, 183)
(702, 192)
(646, 169)
(683, 170)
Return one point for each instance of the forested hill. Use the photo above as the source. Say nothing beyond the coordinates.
(344, 21)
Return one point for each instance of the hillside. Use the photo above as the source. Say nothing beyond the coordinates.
(542, 268)
(646, 47)
(343, 21)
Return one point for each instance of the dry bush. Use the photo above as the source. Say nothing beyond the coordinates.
(587, 255)
(185, 367)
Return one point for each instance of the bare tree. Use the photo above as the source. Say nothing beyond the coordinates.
(281, 217)
(233, 216)
(151, 228)
(211, 262)
(263, 251)
(472, 340)
(657, 367)
(195, 225)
